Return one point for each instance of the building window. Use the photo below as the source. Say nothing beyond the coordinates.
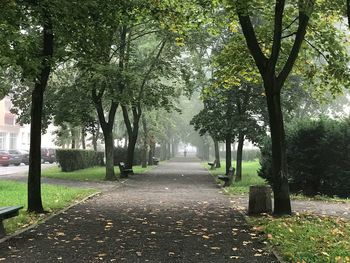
(2, 140)
(13, 141)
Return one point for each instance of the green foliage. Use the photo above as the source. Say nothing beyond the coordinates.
(318, 157)
(307, 238)
(54, 198)
(230, 111)
(72, 159)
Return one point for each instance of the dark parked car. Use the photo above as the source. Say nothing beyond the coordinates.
(23, 154)
(48, 155)
(7, 158)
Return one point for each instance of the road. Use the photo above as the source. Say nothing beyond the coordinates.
(22, 169)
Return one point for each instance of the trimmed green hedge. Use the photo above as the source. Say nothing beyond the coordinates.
(318, 154)
(120, 155)
(74, 159)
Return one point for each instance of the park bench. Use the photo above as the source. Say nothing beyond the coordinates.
(212, 165)
(124, 172)
(226, 177)
(7, 212)
(155, 160)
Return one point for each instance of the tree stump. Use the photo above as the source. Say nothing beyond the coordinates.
(259, 199)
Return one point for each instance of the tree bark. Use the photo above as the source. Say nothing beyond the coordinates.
(34, 174)
(83, 138)
(168, 150)
(279, 161)
(133, 132)
(228, 154)
(239, 157)
(72, 132)
(107, 129)
(151, 153)
(109, 154)
(217, 154)
(145, 142)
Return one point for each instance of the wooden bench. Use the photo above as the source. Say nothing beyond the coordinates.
(155, 160)
(7, 212)
(124, 172)
(212, 165)
(226, 177)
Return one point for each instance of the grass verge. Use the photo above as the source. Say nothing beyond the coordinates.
(249, 177)
(89, 174)
(307, 238)
(54, 198)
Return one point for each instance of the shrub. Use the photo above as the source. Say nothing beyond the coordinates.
(318, 155)
(74, 159)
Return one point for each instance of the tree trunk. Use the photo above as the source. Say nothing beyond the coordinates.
(279, 161)
(151, 153)
(145, 142)
(83, 138)
(239, 157)
(168, 151)
(109, 154)
(73, 140)
(163, 151)
(131, 150)
(34, 174)
(217, 154)
(228, 154)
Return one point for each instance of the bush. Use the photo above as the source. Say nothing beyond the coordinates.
(318, 155)
(120, 155)
(74, 159)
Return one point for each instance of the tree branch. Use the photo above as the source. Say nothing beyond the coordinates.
(294, 20)
(317, 50)
(300, 35)
(148, 73)
(277, 35)
(127, 120)
(252, 42)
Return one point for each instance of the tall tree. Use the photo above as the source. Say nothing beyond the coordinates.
(275, 64)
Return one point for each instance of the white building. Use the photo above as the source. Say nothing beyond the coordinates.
(14, 136)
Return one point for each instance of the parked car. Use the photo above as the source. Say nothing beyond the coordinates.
(23, 154)
(4, 158)
(16, 157)
(48, 155)
(7, 158)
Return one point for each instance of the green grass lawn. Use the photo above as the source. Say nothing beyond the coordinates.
(89, 174)
(249, 176)
(307, 238)
(54, 198)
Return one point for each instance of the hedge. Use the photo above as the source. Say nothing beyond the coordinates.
(318, 155)
(120, 155)
(74, 159)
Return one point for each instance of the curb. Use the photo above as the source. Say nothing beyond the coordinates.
(277, 255)
(17, 233)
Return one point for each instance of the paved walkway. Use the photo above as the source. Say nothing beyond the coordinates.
(174, 213)
(328, 208)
